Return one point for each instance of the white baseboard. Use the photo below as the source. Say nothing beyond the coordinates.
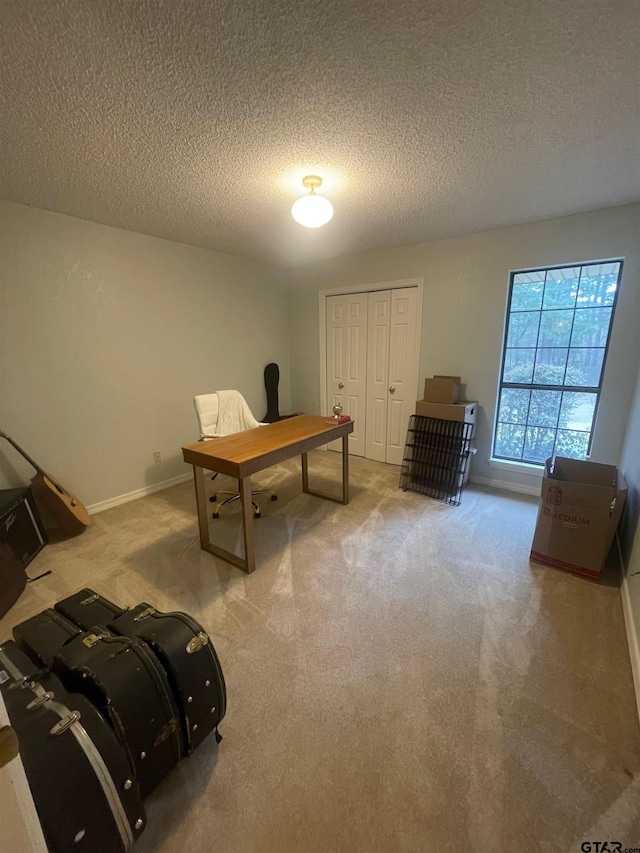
(183, 478)
(632, 636)
(504, 485)
(507, 485)
(139, 493)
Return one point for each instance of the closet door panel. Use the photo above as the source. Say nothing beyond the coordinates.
(379, 318)
(403, 370)
(347, 363)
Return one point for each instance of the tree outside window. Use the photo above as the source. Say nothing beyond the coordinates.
(558, 327)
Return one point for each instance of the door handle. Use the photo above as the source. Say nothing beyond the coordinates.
(392, 389)
(340, 384)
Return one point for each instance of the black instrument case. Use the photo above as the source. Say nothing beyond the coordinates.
(42, 636)
(123, 679)
(180, 644)
(82, 786)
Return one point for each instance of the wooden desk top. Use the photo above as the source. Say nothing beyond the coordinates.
(244, 453)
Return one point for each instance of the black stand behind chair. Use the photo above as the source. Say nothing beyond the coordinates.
(271, 381)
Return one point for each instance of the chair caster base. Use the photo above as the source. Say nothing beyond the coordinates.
(274, 497)
(215, 515)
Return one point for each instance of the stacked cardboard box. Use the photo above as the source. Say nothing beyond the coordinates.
(580, 506)
(464, 411)
(442, 401)
(442, 389)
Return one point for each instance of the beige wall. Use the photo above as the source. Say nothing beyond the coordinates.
(466, 282)
(105, 337)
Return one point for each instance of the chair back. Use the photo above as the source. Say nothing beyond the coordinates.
(207, 409)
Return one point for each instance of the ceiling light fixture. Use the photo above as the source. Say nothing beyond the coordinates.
(312, 210)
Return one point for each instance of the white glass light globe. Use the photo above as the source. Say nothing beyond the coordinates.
(312, 210)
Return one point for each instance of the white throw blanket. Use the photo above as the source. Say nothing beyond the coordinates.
(234, 415)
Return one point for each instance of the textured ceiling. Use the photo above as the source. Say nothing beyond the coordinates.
(196, 120)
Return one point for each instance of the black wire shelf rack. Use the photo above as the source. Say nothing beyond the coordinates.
(436, 458)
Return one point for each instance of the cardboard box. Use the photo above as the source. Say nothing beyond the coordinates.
(442, 395)
(442, 389)
(463, 411)
(580, 506)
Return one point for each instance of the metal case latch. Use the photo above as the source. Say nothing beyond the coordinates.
(65, 723)
(144, 614)
(40, 700)
(91, 639)
(198, 642)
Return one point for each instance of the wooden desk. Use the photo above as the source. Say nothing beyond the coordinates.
(245, 453)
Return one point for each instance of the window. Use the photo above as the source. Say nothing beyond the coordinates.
(555, 348)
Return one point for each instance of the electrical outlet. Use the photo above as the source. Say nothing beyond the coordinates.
(157, 456)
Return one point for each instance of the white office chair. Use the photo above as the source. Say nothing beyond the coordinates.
(225, 413)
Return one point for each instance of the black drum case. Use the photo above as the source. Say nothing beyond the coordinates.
(81, 782)
(180, 644)
(125, 681)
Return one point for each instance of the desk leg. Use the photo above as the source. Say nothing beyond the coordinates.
(247, 525)
(345, 469)
(201, 504)
(248, 564)
(345, 475)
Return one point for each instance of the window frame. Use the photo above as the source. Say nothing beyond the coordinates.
(597, 390)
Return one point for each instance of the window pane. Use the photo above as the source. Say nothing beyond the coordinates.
(509, 440)
(538, 445)
(584, 367)
(561, 288)
(534, 276)
(577, 411)
(518, 365)
(605, 268)
(545, 407)
(523, 329)
(550, 364)
(555, 328)
(598, 284)
(591, 327)
(572, 444)
(526, 294)
(556, 337)
(514, 404)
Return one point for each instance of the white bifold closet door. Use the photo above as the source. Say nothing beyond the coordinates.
(347, 363)
(392, 372)
(372, 368)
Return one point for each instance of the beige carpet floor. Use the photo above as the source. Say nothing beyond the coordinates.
(400, 677)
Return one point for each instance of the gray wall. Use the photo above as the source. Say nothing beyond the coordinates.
(105, 337)
(466, 282)
(629, 527)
